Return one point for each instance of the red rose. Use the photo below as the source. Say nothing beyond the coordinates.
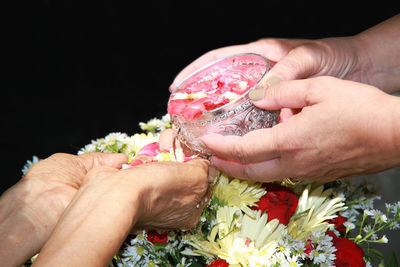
(308, 247)
(338, 222)
(331, 234)
(279, 202)
(348, 253)
(156, 238)
(218, 263)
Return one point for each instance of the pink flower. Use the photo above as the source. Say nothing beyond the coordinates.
(150, 150)
(135, 162)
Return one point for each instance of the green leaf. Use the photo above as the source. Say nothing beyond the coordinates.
(376, 253)
(159, 246)
(392, 261)
(195, 264)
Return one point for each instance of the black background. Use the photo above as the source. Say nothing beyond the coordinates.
(76, 71)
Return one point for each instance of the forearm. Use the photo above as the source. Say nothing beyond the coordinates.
(26, 221)
(379, 55)
(92, 229)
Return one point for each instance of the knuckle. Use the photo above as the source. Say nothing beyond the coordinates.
(247, 172)
(311, 90)
(239, 152)
(61, 156)
(277, 146)
(99, 172)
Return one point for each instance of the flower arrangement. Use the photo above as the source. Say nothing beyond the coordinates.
(248, 223)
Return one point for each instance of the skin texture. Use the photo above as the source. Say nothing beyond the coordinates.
(85, 206)
(328, 139)
(159, 195)
(337, 119)
(30, 209)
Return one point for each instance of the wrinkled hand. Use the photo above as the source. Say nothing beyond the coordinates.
(172, 194)
(60, 176)
(30, 209)
(157, 195)
(344, 128)
(176, 196)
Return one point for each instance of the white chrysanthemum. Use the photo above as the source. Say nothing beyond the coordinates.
(150, 126)
(313, 209)
(241, 194)
(88, 148)
(241, 239)
(156, 125)
(172, 155)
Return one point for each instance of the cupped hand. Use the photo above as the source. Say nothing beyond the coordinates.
(31, 208)
(157, 195)
(344, 128)
(176, 194)
(59, 177)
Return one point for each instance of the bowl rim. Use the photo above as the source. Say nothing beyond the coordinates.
(268, 65)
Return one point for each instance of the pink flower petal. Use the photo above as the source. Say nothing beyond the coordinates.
(150, 150)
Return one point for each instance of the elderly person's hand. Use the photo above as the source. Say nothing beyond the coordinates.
(30, 209)
(344, 128)
(158, 195)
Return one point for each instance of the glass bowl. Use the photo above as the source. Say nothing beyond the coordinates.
(237, 117)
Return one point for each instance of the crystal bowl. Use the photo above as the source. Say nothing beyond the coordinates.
(237, 117)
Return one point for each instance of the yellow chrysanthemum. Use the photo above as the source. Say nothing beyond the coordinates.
(241, 194)
(241, 239)
(314, 208)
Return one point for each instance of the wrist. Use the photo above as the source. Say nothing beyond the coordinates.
(395, 115)
(378, 53)
(386, 127)
(103, 212)
(25, 224)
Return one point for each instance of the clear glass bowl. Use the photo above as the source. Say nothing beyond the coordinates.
(237, 117)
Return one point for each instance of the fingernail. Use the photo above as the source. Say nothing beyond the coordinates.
(259, 92)
(212, 173)
(271, 80)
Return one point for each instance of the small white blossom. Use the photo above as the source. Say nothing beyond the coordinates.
(29, 164)
(383, 239)
(349, 225)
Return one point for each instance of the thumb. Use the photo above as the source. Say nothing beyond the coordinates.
(295, 94)
(95, 159)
